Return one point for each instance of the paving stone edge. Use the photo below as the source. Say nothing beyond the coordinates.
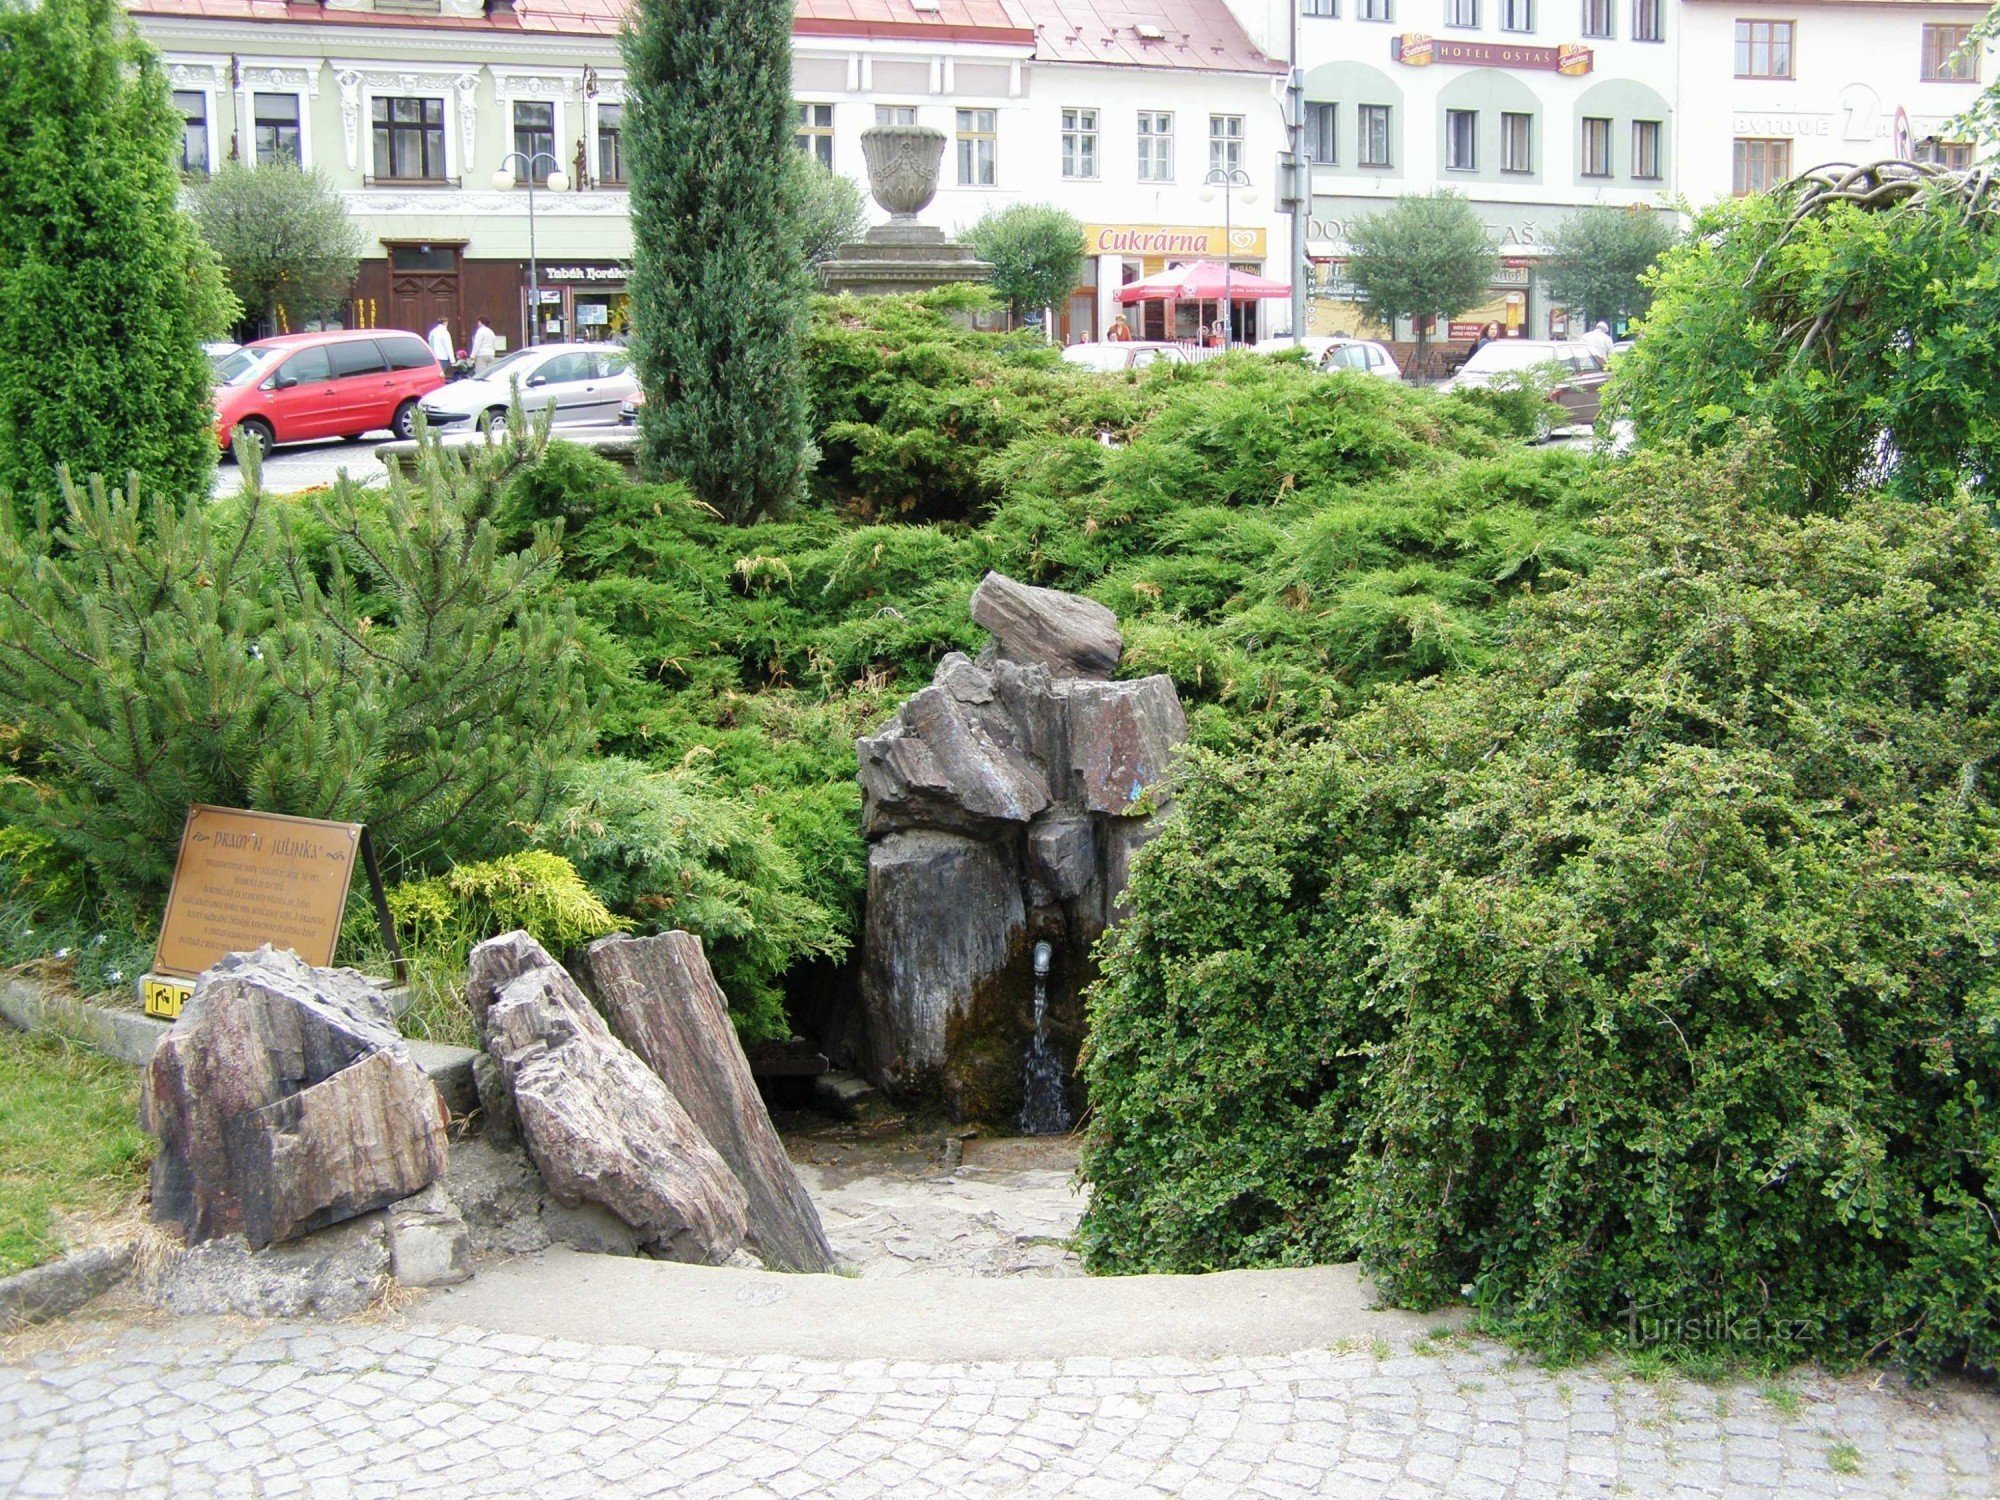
(62, 1286)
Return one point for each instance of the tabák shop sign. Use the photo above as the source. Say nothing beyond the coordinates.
(1414, 49)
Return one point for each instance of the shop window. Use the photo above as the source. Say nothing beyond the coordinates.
(1372, 129)
(1517, 143)
(193, 107)
(1461, 140)
(978, 148)
(1646, 21)
(1225, 142)
(1325, 9)
(1079, 143)
(409, 139)
(1517, 15)
(1763, 49)
(535, 138)
(1597, 18)
(895, 114)
(1156, 146)
(611, 145)
(1956, 155)
(1376, 10)
(1761, 164)
(814, 134)
(1462, 13)
(1646, 149)
(1596, 147)
(1946, 59)
(277, 125)
(1323, 134)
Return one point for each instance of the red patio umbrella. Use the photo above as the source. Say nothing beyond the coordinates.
(1203, 281)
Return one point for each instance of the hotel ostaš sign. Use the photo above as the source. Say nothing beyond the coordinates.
(1414, 49)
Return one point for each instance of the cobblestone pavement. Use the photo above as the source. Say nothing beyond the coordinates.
(380, 1408)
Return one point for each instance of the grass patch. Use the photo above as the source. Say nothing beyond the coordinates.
(1844, 1458)
(69, 1141)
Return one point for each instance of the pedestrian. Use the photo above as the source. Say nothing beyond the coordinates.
(1487, 335)
(1120, 331)
(440, 342)
(1599, 338)
(484, 346)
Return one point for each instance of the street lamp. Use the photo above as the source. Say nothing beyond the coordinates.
(1232, 181)
(556, 182)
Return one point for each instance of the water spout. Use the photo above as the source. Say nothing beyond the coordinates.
(1044, 1109)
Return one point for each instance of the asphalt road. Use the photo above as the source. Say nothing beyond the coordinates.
(302, 466)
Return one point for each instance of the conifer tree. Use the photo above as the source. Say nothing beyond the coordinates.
(105, 289)
(719, 283)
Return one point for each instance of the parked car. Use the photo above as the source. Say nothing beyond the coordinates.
(1334, 352)
(1130, 354)
(628, 409)
(583, 382)
(1579, 373)
(301, 386)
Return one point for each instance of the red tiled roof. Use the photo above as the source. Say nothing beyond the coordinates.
(1197, 34)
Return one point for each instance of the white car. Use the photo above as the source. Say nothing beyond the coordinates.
(1129, 354)
(585, 383)
(1362, 356)
(1578, 370)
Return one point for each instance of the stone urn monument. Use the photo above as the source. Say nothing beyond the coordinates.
(903, 255)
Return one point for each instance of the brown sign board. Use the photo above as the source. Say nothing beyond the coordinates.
(249, 878)
(1416, 50)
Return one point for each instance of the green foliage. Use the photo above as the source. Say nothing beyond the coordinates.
(535, 890)
(1037, 254)
(1426, 255)
(828, 208)
(1653, 972)
(1979, 121)
(367, 656)
(1860, 339)
(283, 238)
(105, 289)
(719, 280)
(1598, 262)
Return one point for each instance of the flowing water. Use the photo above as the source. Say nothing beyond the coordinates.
(1044, 1104)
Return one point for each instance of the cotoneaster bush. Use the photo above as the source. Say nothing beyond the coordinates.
(1649, 974)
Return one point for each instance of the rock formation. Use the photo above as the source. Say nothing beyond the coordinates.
(284, 1100)
(600, 1125)
(663, 1002)
(1002, 805)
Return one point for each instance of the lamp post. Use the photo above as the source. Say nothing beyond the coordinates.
(557, 182)
(1232, 180)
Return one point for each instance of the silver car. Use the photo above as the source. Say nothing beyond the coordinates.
(585, 383)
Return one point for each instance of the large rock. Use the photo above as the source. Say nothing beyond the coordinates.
(1070, 635)
(284, 1100)
(1122, 737)
(948, 760)
(663, 1002)
(601, 1126)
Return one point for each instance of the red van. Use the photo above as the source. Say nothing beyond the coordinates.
(302, 386)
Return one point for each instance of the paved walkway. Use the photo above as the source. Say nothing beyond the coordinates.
(393, 1408)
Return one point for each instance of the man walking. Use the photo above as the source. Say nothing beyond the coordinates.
(484, 345)
(440, 342)
(1599, 338)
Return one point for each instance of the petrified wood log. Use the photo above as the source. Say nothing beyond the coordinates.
(284, 1100)
(663, 1002)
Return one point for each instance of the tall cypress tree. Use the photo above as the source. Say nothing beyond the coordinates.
(719, 283)
(105, 289)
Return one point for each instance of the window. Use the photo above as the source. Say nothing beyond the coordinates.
(1225, 142)
(1942, 61)
(611, 144)
(193, 107)
(406, 353)
(1956, 155)
(1763, 49)
(1079, 143)
(1646, 149)
(895, 114)
(1517, 15)
(977, 147)
(1646, 21)
(277, 121)
(1461, 140)
(1373, 135)
(1517, 143)
(814, 134)
(1761, 165)
(1462, 13)
(535, 138)
(307, 367)
(1596, 147)
(1376, 10)
(1325, 8)
(356, 357)
(1323, 134)
(1156, 146)
(409, 140)
(1597, 18)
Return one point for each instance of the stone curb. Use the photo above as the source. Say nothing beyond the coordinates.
(62, 1286)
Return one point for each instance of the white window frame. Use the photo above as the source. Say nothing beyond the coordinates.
(815, 132)
(1314, 137)
(610, 90)
(1149, 143)
(1517, 10)
(1080, 138)
(1654, 11)
(1526, 168)
(1471, 119)
(964, 135)
(247, 147)
(1230, 145)
(454, 170)
(191, 84)
(1456, 13)
(1361, 114)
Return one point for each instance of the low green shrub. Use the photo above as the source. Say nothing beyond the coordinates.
(1641, 985)
(533, 890)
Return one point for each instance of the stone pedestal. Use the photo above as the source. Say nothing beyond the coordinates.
(902, 255)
